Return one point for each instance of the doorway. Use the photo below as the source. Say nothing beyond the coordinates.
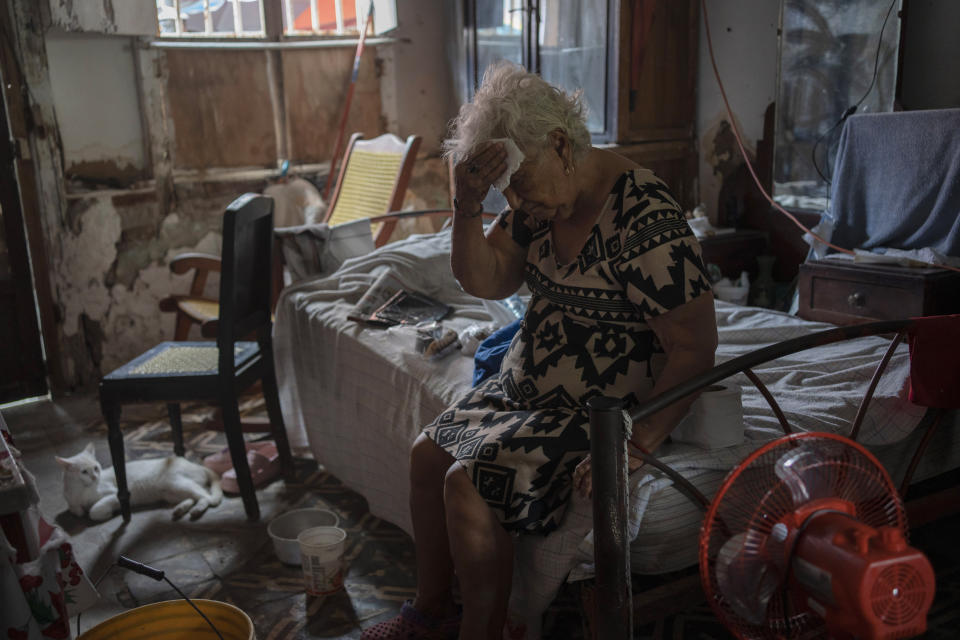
(22, 370)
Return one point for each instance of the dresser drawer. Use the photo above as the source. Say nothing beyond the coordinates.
(864, 299)
(848, 294)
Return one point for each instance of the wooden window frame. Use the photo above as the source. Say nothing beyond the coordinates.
(530, 55)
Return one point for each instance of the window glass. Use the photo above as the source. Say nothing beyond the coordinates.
(167, 17)
(499, 32)
(573, 52)
(193, 19)
(827, 54)
(332, 16)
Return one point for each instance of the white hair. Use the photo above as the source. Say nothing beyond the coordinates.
(514, 103)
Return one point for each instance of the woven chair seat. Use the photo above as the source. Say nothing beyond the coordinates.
(172, 359)
(201, 307)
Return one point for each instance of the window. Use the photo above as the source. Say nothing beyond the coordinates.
(828, 50)
(570, 43)
(245, 18)
(211, 18)
(320, 17)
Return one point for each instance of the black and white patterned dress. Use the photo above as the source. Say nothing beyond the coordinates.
(521, 434)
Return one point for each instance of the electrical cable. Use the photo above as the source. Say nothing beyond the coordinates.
(156, 574)
(746, 158)
(853, 108)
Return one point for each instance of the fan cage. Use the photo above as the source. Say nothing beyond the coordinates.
(753, 499)
(910, 591)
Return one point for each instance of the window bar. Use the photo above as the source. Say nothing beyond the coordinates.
(338, 9)
(263, 20)
(207, 18)
(288, 9)
(315, 15)
(237, 18)
(178, 22)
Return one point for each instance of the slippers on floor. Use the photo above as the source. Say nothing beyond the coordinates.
(221, 462)
(410, 624)
(264, 464)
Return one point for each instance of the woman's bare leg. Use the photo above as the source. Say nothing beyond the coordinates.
(428, 467)
(482, 554)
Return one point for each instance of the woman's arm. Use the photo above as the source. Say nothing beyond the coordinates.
(487, 266)
(688, 334)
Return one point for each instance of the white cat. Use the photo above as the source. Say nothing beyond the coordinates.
(174, 480)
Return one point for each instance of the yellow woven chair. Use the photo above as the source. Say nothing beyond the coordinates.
(372, 181)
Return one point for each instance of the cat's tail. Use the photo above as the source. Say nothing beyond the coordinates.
(216, 491)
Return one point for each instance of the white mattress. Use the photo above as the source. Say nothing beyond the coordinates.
(358, 397)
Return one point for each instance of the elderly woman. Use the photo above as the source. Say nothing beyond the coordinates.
(620, 306)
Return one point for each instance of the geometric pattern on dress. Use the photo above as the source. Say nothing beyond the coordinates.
(593, 251)
(596, 303)
(497, 455)
(521, 434)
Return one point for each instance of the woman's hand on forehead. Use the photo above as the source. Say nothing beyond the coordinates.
(477, 171)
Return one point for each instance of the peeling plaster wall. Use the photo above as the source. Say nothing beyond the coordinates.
(109, 250)
(132, 17)
(112, 269)
(745, 43)
(98, 110)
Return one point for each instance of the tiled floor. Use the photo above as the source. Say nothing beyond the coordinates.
(223, 557)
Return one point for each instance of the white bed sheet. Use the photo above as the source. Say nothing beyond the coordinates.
(358, 396)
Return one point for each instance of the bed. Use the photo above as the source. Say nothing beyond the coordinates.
(357, 397)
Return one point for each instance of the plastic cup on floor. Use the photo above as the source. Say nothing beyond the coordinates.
(321, 556)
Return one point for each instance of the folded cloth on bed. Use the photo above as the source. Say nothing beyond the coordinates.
(489, 355)
(311, 250)
(897, 182)
(935, 362)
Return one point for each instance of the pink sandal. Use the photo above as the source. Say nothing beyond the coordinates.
(221, 462)
(264, 462)
(410, 624)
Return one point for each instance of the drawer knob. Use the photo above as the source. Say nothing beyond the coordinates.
(856, 299)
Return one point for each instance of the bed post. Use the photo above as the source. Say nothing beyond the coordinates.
(608, 450)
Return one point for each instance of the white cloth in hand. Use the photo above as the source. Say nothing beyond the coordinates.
(514, 158)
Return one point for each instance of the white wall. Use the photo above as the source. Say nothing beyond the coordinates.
(417, 86)
(745, 43)
(95, 97)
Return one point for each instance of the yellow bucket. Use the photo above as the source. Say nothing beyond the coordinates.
(175, 620)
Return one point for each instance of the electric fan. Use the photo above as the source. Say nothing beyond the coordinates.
(807, 538)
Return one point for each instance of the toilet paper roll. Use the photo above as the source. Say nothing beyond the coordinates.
(715, 419)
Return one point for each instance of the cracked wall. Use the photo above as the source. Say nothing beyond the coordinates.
(111, 270)
(114, 203)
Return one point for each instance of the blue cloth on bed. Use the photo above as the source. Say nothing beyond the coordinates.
(489, 355)
(897, 181)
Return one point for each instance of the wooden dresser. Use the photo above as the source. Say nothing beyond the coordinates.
(735, 252)
(846, 293)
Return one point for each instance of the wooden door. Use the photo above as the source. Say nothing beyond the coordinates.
(22, 372)
(658, 70)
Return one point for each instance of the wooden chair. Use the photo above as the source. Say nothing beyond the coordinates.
(175, 372)
(372, 181)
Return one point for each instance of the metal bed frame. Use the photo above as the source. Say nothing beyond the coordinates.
(612, 601)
